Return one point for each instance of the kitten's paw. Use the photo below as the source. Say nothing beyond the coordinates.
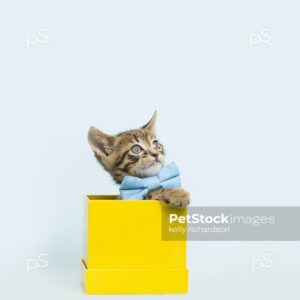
(177, 197)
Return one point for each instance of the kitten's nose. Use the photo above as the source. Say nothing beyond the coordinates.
(155, 155)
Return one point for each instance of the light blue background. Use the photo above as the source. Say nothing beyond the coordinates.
(228, 115)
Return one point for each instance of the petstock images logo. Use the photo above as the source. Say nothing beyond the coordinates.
(232, 224)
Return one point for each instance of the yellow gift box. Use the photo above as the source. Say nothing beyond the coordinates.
(124, 252)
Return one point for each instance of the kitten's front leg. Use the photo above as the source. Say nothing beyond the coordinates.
(177, 197)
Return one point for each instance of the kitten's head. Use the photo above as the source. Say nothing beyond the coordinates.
(134, 152)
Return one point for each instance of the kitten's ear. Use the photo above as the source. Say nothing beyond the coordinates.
(150, 126)
(100, 142)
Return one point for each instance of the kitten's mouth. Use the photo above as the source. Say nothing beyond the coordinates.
(154, 163)
(151, 169)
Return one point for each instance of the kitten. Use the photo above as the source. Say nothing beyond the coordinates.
(135, 153)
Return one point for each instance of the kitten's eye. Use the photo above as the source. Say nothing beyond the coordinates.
(136, 149)
(157, 145)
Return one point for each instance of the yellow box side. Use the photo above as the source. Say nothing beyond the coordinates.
(126, 234)
(124, 250)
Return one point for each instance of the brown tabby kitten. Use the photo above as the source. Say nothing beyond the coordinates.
(135, 153)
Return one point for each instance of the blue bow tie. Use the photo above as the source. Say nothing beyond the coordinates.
(137, 188)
